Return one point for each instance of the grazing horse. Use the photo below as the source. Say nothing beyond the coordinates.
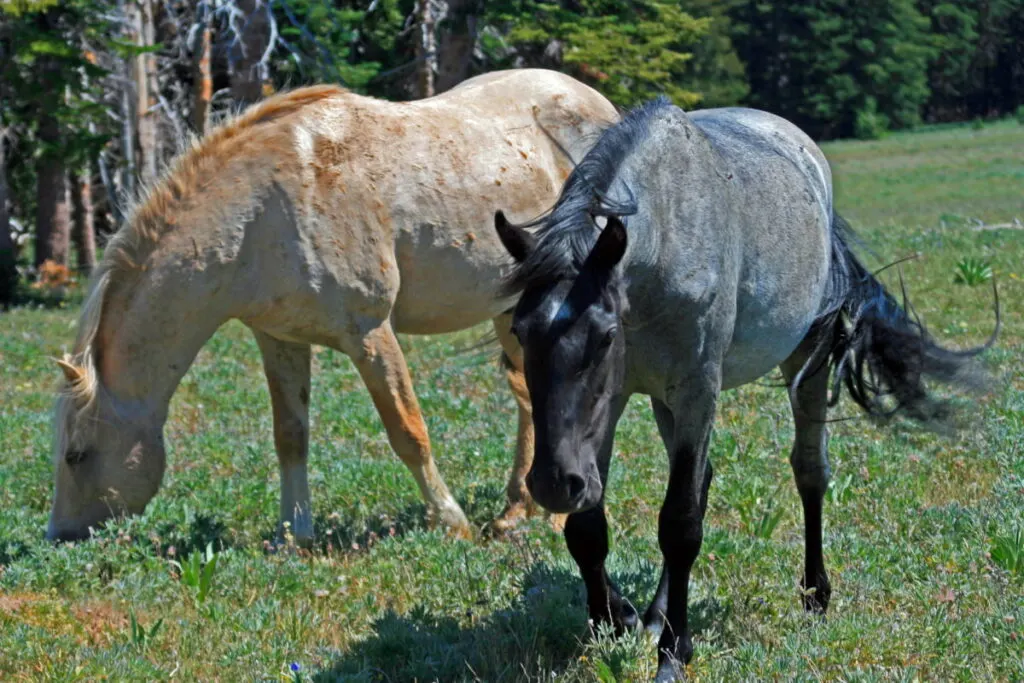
(316, 217)
(720, 258)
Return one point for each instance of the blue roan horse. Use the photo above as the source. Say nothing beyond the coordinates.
(721, 257)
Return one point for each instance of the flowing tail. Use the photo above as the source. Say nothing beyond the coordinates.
(881, 351)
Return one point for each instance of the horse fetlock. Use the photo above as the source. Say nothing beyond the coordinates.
(510, 518)
(615, 610)
(654, 622)
(449, 515)
(673, 656)
(296, 532)
(670, 670)
(816, 594)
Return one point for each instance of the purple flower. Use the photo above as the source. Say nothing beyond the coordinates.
(295, 666)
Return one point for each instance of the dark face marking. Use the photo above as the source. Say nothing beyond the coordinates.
(574, 352)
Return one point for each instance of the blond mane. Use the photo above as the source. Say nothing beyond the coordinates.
(146, 223)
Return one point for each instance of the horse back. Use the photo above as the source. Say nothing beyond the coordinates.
(394, 201)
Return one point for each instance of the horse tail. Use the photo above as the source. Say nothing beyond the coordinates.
(881, 351)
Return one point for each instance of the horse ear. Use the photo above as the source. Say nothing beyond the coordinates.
(610, 247)
(72, 373)
(518, 242)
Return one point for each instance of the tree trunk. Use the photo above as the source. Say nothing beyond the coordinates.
(457, 42)
(426, 56)
(8, 252)
(52, 216)
(83, 231)
(254, 27)
(128, 115)
(202, 79)
(105, 213)
(146, 87)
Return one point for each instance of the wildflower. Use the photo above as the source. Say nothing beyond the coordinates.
(295, 666)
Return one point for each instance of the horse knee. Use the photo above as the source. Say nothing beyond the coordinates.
(680, 537)
(586, 537)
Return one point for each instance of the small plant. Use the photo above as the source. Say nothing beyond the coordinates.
(978, 123)
(761, 513)
(971, 271)
(1007, 550)
(141, 636)
(603, 672)
(1020, 115)
(197, 572)
(840, 490)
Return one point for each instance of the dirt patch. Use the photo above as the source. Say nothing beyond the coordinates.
(101, 621)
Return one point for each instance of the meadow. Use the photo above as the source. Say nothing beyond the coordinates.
(924, 534)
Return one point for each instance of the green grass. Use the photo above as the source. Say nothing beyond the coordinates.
(923, 533)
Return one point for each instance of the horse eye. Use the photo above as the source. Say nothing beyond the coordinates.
(74, 457)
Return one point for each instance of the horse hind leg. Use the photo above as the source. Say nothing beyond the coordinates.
(382, 366)
(809, 459)
(519, 503)
(286, 366)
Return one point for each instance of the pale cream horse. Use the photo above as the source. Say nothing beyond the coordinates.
(316, 217)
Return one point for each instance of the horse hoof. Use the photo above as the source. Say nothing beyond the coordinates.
(453, 519)
(670, 671)
(509, 519)
(289, 539)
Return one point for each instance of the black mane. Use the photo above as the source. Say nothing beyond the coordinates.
(567, 234)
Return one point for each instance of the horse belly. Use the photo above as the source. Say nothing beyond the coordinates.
(775, 308)
(763, 348)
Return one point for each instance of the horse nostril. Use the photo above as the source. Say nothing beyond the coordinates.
(576, 486)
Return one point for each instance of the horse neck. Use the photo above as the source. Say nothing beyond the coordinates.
(151, 329)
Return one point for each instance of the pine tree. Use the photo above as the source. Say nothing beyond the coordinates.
(829, 63)
(629, 51)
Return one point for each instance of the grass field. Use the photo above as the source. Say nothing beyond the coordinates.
(923, 533)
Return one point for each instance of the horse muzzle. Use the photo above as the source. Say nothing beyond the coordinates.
(563, 491)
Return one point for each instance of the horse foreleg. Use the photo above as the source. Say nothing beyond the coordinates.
(382, 366)
(286, 366)
(519, 503)
(681, 522)
(586, 536)
(809, 459)
(654, 617)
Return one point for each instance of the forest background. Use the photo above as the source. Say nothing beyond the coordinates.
(96, 95)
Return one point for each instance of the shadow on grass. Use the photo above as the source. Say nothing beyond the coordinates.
(544, 631)
(198, 532)
(357, 530)
(12, 550)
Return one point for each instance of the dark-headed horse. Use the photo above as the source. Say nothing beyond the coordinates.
(720, 258)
